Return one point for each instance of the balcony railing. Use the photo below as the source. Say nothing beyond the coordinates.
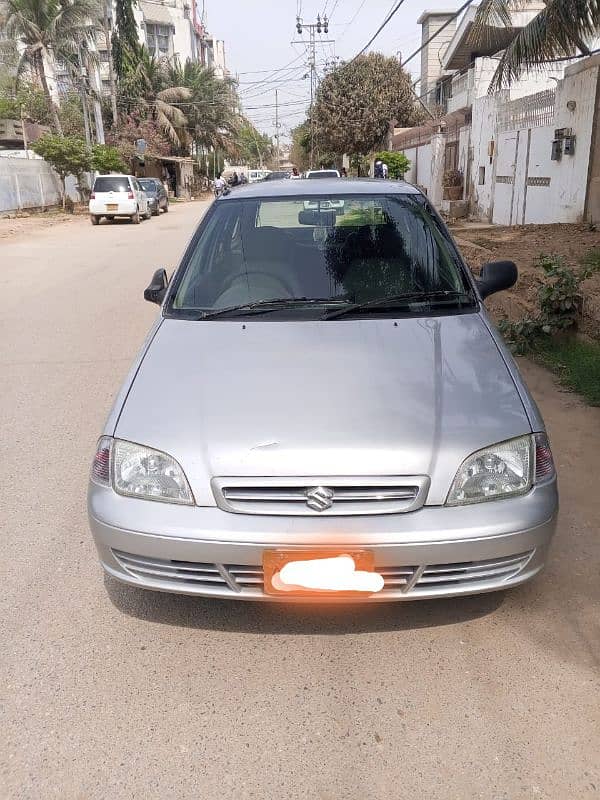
(461, 92)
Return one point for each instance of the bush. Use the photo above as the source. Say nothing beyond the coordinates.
(398, 164)
(559, 302)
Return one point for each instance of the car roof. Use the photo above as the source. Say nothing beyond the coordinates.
(326, 186)
(115, 175)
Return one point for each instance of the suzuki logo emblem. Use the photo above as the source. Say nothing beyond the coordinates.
(319, 499)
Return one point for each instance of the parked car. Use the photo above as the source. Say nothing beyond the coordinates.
(277, 175)
(255, 175)
(118, 196)
(322, 173)
(324, 410)
(156, 193)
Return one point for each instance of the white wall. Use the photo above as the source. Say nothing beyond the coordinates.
(27, 183)
(424, 167)
(483, 131)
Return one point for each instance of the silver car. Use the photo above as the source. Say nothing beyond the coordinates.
(323, 410)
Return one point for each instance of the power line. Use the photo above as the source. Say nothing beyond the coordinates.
(381, 27)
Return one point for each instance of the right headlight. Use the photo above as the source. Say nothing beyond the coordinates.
(502, 470)
(138, 471)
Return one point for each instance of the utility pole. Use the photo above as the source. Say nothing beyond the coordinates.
(320, 26)
(277, 151)
(25, 142)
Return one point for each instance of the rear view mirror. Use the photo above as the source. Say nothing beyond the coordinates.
(321, 219)
(156, 291)
(497, 276)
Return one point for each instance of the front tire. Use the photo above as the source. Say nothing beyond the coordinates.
(135, 218)
(166, 208)
(95, 219)
(148, 213)
(156, 211)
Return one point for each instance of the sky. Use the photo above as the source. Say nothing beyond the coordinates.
(258, 36)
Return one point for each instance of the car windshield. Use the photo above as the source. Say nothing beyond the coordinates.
(147, 186)
(330, 173)
(331, 250)
(113, 183)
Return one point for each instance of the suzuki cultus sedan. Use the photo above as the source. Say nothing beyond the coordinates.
(323, 410)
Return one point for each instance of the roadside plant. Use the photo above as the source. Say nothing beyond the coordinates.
(398, 164)
(68, 155)
(559, 301)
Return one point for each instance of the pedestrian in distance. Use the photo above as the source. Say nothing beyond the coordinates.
(235, 179)
(385, 170)
(219, 185)
(378, 169)
(343, 172)
(295, 174)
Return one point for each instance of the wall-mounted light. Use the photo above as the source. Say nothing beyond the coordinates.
(572, 105)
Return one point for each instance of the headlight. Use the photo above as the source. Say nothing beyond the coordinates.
(502, 470)
(138, 471)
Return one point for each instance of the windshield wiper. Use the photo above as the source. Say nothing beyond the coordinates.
(398, 301)
(265, 306)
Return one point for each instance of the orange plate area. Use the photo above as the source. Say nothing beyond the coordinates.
(275, 560)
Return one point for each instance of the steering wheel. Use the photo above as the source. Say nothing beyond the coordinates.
(230, 283)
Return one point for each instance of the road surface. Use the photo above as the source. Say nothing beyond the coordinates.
(116, 693)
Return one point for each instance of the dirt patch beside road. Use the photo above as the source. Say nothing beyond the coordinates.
(26, 224)
(524, 244)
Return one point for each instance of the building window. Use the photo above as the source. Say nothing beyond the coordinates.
(104, 56)
(158, 39)
(481, 176)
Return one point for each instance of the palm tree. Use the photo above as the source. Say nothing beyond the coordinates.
(212, 118)
(147, 88)
(562, 29)
(50, 30)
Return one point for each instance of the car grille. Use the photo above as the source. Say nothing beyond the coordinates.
(244, 579)
(320, 496)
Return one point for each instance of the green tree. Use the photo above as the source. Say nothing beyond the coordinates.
(125, 43)
(68, 155)
(397, 163)
(251, 146)
(148, 91)
(71, 115)
(50, 29)
(106, 158)
(562, 28)
(210, 108)
(356, 104)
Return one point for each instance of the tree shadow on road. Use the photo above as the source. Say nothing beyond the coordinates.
(294, 618)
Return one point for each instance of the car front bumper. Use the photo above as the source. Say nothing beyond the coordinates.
(433, 552)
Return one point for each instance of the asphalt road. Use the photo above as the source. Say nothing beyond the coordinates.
(116, 693)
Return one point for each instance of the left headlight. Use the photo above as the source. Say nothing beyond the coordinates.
(502, 470)
(137, 471)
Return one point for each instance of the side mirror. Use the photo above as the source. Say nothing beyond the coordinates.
(156, 291)
(497, 276)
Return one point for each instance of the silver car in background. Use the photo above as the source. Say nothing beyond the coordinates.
(323, 386)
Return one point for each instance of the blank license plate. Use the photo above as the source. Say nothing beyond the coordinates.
(320, 574)
(112, 206)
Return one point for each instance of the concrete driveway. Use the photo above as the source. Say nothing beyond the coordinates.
(114, 693)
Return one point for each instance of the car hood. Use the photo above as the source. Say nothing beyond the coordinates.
(372, 397)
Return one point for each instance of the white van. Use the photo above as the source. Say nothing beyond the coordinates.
(255, 175)
(118, 196)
